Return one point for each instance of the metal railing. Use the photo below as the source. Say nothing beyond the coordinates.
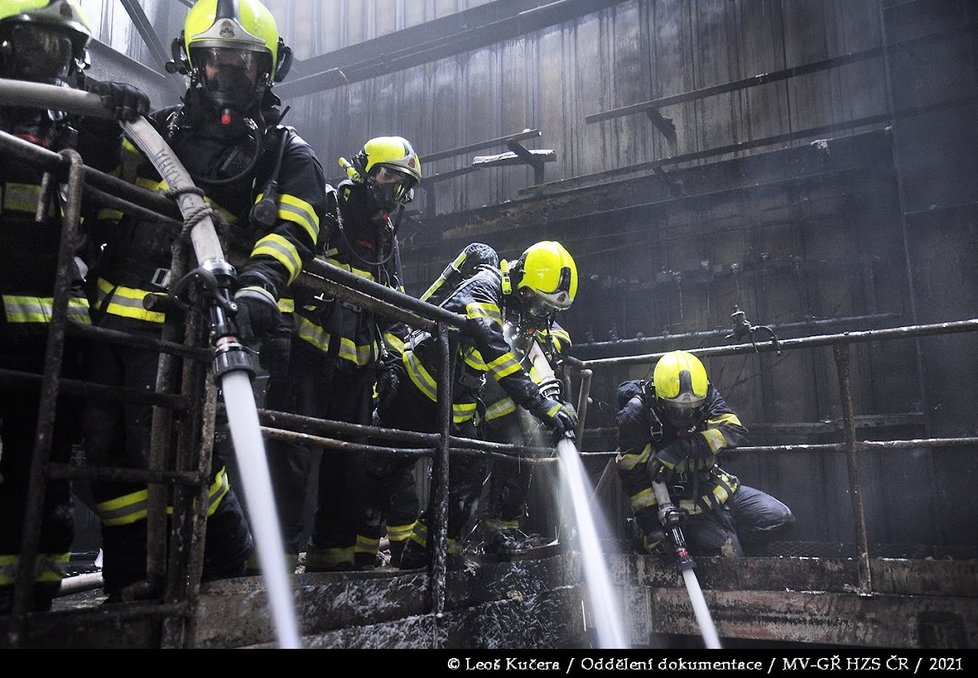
(840, 344)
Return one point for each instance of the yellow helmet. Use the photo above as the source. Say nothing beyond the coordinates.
(389, 167)
(681, 385)
(240, 34)
(546, 277)
(42, 40)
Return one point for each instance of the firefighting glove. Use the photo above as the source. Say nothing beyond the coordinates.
(276, 349)
(257, 313)
(559, 417)
(663, 464)
(125, 101)
(388, 380)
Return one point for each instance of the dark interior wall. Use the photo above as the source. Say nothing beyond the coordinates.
(866, 220)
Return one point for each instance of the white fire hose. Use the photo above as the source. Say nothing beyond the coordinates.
(232, 365)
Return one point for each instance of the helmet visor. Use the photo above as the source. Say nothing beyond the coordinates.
(537, 305)
(682, 415)
(232, 77)
(38, 53)
(389, 187)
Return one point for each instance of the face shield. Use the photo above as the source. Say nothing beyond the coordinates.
(389, 188)
(540, 312)
(36, 52)
(681, 413)
(232, 78)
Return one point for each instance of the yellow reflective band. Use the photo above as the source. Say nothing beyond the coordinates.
(29, 309)
(131, 508)
(152, 184)
(296, 210)
(21, 197)
(123, 510)
(504, 365)
(561, 339)
(366, 544)
(714, 439)
(462, 412)
(358, 355)
(420, 534)
(326, 558)
(419, 376)
(286, 305)
(48, 567)
(280, 249)
(500, 409)
(126, 302)
(333, 261)
(643, 499)
(490, 311)
(8, 569)
(626, 462)
(497, 524)
(218, 490)
(400, 532)
(728, 419)
(474, 359)
(312, 333)
(393, 342)
(106, 214)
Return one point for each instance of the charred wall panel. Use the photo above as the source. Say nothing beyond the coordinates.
(872, 218)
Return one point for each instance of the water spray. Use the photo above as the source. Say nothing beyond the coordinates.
(602, 598)
(232, 365)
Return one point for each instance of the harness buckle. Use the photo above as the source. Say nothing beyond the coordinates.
(161, 278)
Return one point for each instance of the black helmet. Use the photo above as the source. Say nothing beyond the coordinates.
(42, 41)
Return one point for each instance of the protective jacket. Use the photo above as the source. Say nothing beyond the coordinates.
(554, 342)
(698, 483)
(29, 248)
(354, 242)
(482, 350)
(136, 260)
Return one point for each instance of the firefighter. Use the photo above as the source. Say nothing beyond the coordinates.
(266, 183)
(672, 430)
(335, 352)
(504, 422)
(43, 42)
(541, 282)
(500, 419)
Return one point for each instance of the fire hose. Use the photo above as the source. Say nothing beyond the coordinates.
(670, 516)
(232, 364)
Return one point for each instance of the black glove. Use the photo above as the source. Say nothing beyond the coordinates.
(276, 350)
(257, 313)
(388, 381)
(125, 101)
(559, 417)
(663, 464)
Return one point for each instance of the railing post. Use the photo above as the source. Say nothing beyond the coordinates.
(54, 352)
(841, 352)
(440, 469)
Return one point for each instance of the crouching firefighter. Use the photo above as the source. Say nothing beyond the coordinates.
(672, 430)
